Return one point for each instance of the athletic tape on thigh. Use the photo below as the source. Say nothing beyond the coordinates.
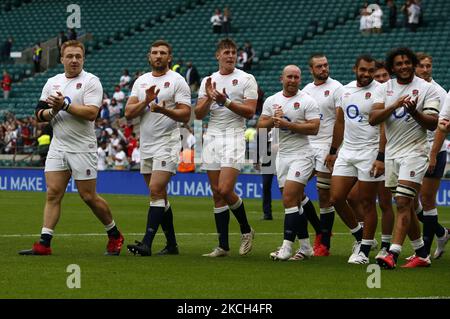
(323, 183)
(393, 190)
(405, 191)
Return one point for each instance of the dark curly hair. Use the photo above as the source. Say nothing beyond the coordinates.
(400, 51)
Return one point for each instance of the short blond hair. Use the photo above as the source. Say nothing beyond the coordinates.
(72, 43)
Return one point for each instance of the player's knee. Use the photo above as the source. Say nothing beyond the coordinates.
(54, 196)
(88, 197)
(428, 201)
(157, 192)
(225, 190)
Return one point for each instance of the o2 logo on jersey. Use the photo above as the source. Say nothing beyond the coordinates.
(321, 116)
(353, 113)
(401, 115)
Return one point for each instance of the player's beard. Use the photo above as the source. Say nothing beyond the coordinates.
(363, 81)
(159, 68)
(322, 76)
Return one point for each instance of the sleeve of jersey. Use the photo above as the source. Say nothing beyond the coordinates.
(312, 110)
(445, 112)
(134, 90)
(94, 93)
(202, 90)
(45, 92)
(431, 104)
(267, 109)
(379, 94)
(251, 89)
(338, 96)
(183, 93)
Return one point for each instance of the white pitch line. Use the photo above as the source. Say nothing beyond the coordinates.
(140, 234)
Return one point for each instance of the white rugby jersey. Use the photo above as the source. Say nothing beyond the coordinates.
(356, 103)
(445, 111)
(239, 86)
(405, 137)
(442, 93)
(298, 109)
(327, 96)
(160, 135)
(71, 133)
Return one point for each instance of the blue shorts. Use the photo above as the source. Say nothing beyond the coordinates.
(441, 161)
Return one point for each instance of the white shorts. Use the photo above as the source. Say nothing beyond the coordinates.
(297, 169)
(408, 168)
(356, 164)
(223, 151)
(83, 166)
(319, 159)
(148, 165)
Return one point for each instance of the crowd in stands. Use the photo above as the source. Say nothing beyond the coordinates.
(371, 16)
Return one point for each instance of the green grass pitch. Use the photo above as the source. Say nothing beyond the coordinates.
(80, 239)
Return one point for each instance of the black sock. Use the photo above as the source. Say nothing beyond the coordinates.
(291, 223)
(311, 216)
(365, 249)
(440, 230)
(385, 244)
(113, 232)
(168, 229)
(420, 216)
(154, 218)
(422, 252)
(222, 221)
(395, 255)
(326, 223)
(46, 239)
(302, 227)
(429, 228)
(358, 234)
(241, 217)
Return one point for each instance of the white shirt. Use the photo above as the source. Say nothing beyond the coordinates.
(413, 13)
(135, 156)
(377, 18)
(102, 164)
(119, 96)
(356, 104)
(121, 158)
(124, 79)
(239, 86)
(160, 135)
(405, 137)
(296, 109)
(328, 97)
(216, 19)
(442, 94)
(445, 111)
(72, 133)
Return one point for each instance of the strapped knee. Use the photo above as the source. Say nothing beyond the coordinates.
(323, 183)
(405, 191)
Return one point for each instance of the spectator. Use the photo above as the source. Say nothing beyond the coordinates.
(72, 34)
(119, 96)
(216, 21)
(226, 21)
(132, 144)
(392, 14)
(6, 84)
(6, 50)
(102, 152)
(241, 58)
(37, 57)
(114, 110)
(104, 110)
(178, 67)
(192, 77)
(413, 16)
(250, 56)
(120, 158)
(44, 143)
(61, 39)
(364, 21)
(377, 19)
(125, 79)
(136, 157)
